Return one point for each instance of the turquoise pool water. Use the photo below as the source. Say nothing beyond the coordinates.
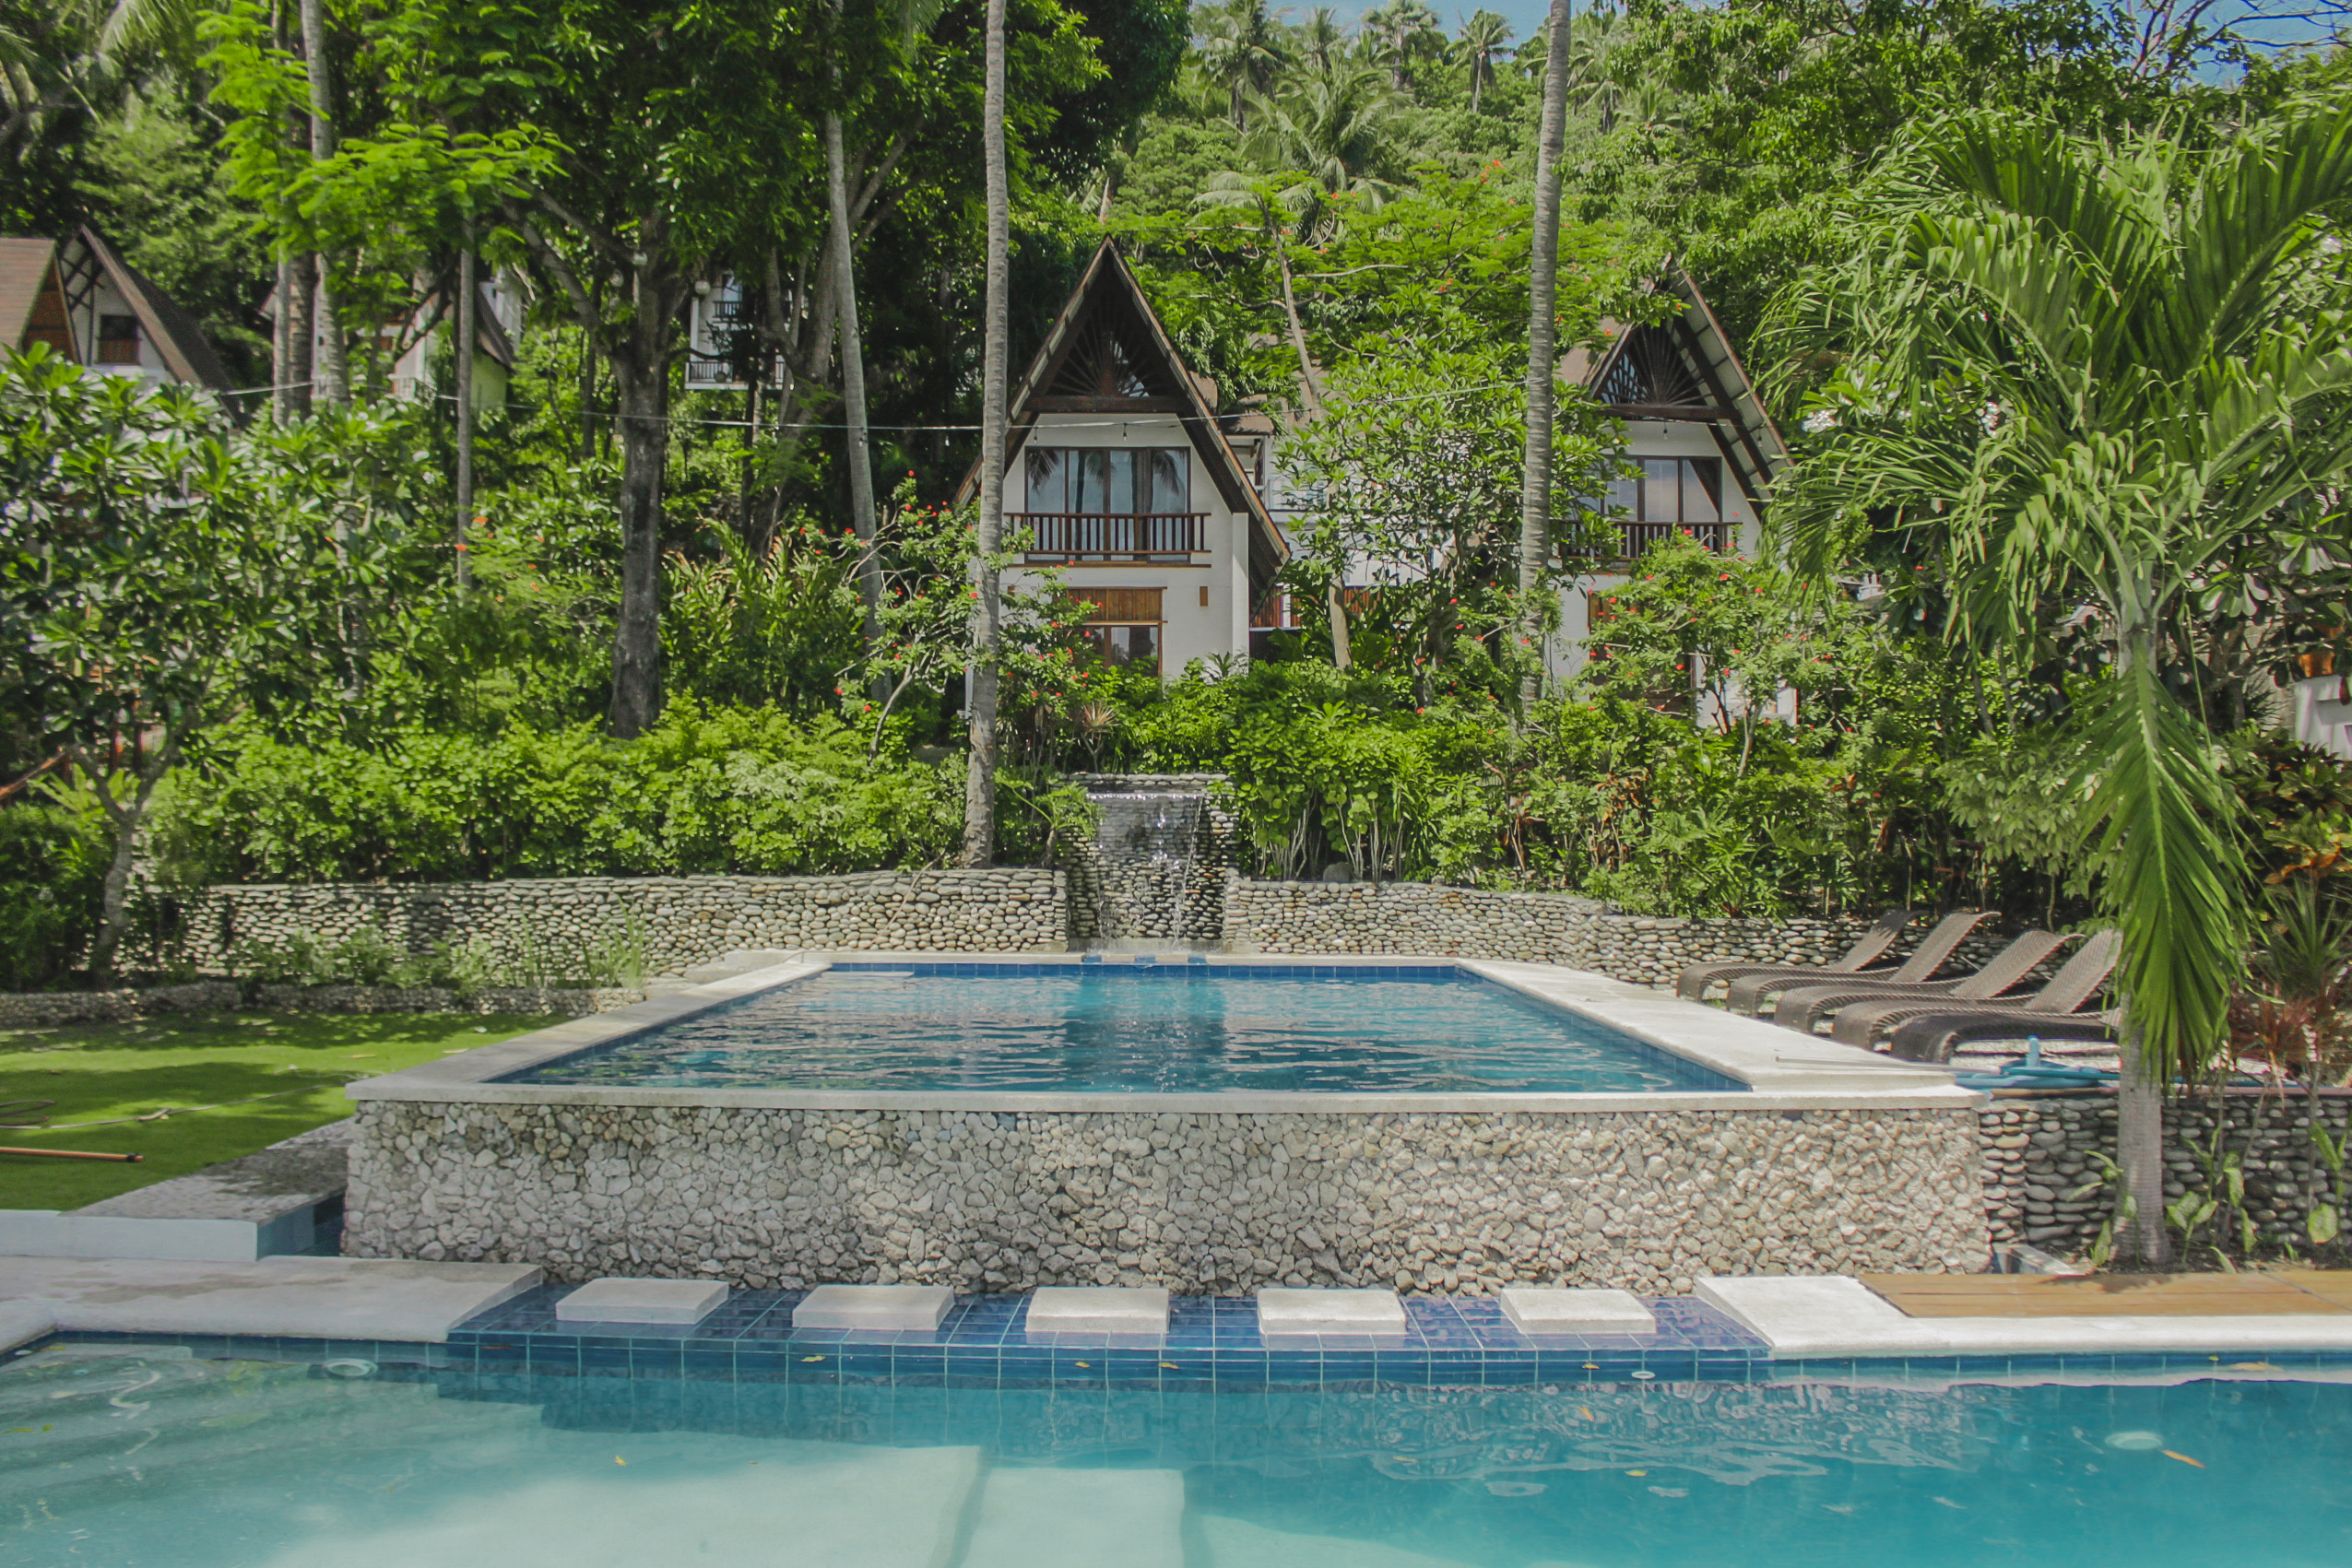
(1127, 1028)
(144, 1459)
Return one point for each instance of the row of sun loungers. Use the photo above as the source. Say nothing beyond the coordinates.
(1928, 1016)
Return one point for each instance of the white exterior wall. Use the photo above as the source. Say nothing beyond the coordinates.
(106, 301)
(1564, 654)
(1190, 628)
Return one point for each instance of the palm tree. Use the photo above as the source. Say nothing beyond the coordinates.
(1327, 133)
(1399, 34)
(987, 619)
(1241, 49)
(2091, 381)
(1535, 479)
(1320, 39)
(1483, 39)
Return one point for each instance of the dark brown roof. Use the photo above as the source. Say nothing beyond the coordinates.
(24, 268)
(182, 342)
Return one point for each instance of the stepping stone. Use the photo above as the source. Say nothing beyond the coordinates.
(1098, 1309)
(1043, 1517)
(1281, 1310)
(1532, 1310)
(874, 1306)
(642, 1301)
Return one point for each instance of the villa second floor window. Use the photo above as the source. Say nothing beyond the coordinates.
(1123, 625)
(1097, 481)
(118, 340)
(1671, 490)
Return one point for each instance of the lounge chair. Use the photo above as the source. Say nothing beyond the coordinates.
(1802, 1007)
(1936, 949)
(1928, 1033)
(1692, 982)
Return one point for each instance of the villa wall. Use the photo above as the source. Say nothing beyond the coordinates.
(1201, 1202)
(686, 919)
(1424, 917)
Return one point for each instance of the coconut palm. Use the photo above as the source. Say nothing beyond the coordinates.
(1327, 133)
(2087, 382)
(987, 610)
(1398, 35)
(1241, 51)
(1321, 39)
(1535, 482)
(1483, 39)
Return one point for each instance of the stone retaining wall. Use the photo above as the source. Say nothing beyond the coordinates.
(1422, 917)
(30, 1010)
(513, 1001)
(2037, 1153)
(684, 921)
(1201, 1202)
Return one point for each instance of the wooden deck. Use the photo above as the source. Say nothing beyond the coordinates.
(2117, 1295)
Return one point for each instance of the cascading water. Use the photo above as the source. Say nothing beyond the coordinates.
(1152, 872)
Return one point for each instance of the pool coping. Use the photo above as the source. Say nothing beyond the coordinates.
(1784, 1072)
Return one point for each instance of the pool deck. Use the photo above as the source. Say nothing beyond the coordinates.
(1781, 1071)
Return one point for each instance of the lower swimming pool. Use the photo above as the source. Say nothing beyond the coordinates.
(147, 1457)
(1124, 1028)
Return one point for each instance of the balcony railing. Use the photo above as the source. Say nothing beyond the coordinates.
(1634, 538)
(1068, 535)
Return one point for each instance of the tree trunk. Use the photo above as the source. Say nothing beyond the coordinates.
(461, 360)
(640, 408)
(980, 773)
(2139, 1147)
(859, 454)
(126, 818)
(334, 373)
(281, 345)
(1535, 481)
(295, 307)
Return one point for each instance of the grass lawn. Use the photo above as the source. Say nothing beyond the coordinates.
(100, 1071)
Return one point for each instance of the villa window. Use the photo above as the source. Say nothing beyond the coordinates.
(1670, 495)
(1123, 626)
(118, 340)
(1112, 503)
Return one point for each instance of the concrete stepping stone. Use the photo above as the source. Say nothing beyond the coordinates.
(1536, 1310)
(1098, 1309)
(874, 1306)
(1286, 1310)
(296, 1298)
(1234, 1543)
(642, 1301)
(1043, 1517)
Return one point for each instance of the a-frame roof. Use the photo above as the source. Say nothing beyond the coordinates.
(27, 267)
(1107, 353)
(1685, 369)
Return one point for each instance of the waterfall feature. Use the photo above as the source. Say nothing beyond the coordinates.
(1155, 871)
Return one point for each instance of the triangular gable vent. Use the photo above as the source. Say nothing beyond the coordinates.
(1650, 371)
(1101, 365)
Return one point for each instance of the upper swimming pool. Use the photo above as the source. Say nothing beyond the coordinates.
(1124, 1028)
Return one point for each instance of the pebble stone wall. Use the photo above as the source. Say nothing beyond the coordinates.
(2037, 1153)
(31, 1009)
(686, 919)
(1198, 1202)
(1421, 917)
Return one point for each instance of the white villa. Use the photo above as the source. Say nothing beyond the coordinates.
(83, 301)
(1170, 520)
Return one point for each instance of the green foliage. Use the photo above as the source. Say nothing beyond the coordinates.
(53, 866)
(706, 791)
(782, 629)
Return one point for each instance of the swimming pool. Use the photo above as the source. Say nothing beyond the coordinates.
(1125, 1028)
(139, 1459)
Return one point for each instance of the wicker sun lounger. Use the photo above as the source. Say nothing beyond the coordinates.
(1936, 949)
(1927, 1033)
(1802, 1007)
(1692, 982)
(2076, 982)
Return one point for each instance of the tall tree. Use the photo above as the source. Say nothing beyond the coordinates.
(1542, 327)
(1241, 49)
(330, 373)
(2094, 377)
(988, 612)
(1483, 38)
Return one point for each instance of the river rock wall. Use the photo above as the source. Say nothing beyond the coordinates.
(1202, 1203)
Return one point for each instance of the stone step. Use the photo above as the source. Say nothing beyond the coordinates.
(1236, 1544)
(264, 1205)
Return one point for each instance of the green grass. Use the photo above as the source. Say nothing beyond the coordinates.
(100, 1071)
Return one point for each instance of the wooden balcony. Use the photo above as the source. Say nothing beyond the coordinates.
(1634, 539)
(1067, 536)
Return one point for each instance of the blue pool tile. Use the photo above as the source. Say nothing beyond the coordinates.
(1503, 1369)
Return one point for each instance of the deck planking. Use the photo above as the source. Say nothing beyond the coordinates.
(2116, 1295)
